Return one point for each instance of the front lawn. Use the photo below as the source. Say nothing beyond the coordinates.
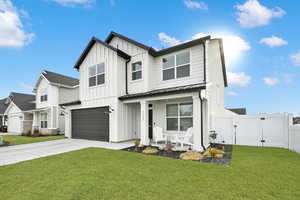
(15, 139)
(255, 173)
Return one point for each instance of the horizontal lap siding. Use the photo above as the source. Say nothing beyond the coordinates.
(196, 71)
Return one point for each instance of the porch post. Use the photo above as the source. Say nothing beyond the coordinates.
(144, 123)
(197, 123)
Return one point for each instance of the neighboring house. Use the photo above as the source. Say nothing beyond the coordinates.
(51, 90)
(18, 112)
(127, 88)
(239, 111)
(3, 106)
(296, 120)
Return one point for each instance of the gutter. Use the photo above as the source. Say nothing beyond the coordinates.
(200, 96)
(126, 76)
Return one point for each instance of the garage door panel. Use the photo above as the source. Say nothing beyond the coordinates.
(92, 124)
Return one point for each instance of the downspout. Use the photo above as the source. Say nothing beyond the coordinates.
(201, 100)
(126, 76)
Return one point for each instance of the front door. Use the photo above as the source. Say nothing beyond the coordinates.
(150, 121)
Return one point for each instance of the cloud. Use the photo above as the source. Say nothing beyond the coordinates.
(234, 46)
(26, 86)
(273, 41)
(296, 58)
(270, 81)
(252, 14)
(168, 40)
(238, 79)
(232, 94)
(74, 2)
(12, 33)
(195, 4)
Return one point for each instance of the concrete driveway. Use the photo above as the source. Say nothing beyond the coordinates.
(19, 153)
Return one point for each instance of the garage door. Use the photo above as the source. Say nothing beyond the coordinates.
(14, 124)
(91, 124)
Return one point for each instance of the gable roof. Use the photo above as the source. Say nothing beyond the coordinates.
(239, 111)
(151, 50)
(154, 52)
(60, 79)
(3, 105)
(24, 101)
(91, 44)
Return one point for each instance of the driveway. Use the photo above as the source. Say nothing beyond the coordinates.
(19, 153)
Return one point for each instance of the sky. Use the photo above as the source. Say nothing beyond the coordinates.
(261, 41)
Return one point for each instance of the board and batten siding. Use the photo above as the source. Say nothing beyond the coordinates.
(100, 54)
(137, 55)
(68, 94)
(196, 70)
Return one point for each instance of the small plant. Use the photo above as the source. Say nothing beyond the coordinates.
(214, 153)
(36, 133)
(169, 147)
(137, 143)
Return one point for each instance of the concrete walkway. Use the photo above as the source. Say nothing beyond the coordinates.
(19, 153)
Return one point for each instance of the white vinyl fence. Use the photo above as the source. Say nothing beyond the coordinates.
(274, 130)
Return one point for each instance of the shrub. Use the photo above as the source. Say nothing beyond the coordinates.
(137, 143)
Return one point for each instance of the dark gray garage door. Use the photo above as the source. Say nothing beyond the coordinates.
(91, 124)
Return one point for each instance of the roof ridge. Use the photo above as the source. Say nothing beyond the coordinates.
(47, 71)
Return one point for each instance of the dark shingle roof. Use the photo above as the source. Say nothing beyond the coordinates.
(239, 111)
(185, 88)
(60, 79)
(23, 101)
(3, 105)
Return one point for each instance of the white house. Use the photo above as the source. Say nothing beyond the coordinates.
(18, 112)
(126, 88)
(51, 90)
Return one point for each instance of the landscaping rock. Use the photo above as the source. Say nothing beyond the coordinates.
(192, 155)
(150, 150)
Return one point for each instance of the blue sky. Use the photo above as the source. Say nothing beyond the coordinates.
(261, 39)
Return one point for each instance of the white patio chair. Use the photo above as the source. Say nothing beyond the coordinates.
(158, 135)
(186, 138)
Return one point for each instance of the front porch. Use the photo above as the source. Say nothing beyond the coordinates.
(172, 119)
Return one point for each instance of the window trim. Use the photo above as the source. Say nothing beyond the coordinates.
(41, 120)
(96, 75)
(175, 65)
(44, 96)
(141, 70)
(178, 117)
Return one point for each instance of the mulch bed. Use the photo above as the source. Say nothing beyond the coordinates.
(175, 154)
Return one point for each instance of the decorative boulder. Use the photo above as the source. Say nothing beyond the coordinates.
(213, 152)
(150, 150)
(192, 155)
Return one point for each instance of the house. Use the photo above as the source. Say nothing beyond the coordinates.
(51, 90)
(18, 112)
(3, 106)
(127, 88)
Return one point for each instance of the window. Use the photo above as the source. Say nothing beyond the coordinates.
(136, 71)
(179, 116)
(97, 75)
(44, 96)
(176, 66)
(44, 120)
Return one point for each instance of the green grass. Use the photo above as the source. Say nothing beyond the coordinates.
(255, 173)
(15, 139)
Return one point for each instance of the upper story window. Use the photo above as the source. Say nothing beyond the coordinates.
(44, 96)
(136, 71)
(97, 75)
(176, 66)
